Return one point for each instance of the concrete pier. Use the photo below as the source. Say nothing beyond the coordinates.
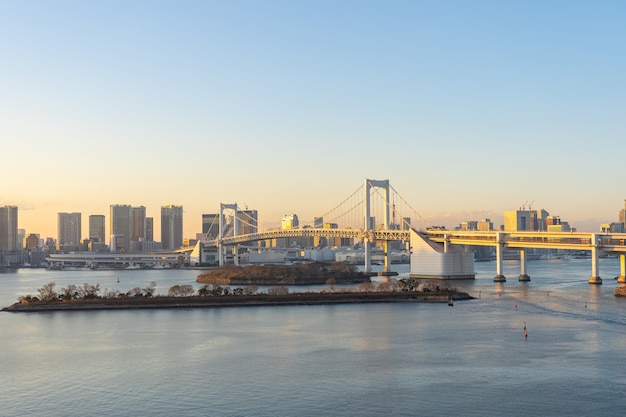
(523, 276)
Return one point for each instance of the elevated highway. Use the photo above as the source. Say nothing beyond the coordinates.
(596, 243)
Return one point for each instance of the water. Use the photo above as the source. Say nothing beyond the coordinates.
(341, 360)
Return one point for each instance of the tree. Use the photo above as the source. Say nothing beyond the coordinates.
(70, 292)
(149, 290)
(365, 287)
(205, 290)
(180, 290)
(88, 291)
(250, 289)
(278, 290)
(331, 282)
(47, 293)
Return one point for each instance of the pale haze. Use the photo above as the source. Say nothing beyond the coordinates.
(469, 108)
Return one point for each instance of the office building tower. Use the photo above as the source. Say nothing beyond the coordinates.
(120, 229)
(33, 241)
(248, 222)
(21, 235)
(520, 221)
(97, 228)
(485, 225)
(622, 214)
(149, 229)
(69, 230)
(290, 221)
(8, 228)
(318, 222)
(138, 224)
(171, 226)
(210, 226)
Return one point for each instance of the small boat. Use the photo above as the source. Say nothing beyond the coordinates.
(450, 302)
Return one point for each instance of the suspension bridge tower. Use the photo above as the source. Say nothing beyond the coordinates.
(369, 226)
(220, 247)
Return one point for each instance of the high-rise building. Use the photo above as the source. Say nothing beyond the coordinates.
(210, 226)
(248, 222)
(138, 224)
(520, 221)
(8, 228)
(149, 229)
(622, 214)
(69, 230)
(120, 229)
(21, 235)
(485, 225)
(33, 241)
(171, 226)
(97, 228)
(290, 221)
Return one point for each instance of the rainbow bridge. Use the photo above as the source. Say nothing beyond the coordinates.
(438, 254)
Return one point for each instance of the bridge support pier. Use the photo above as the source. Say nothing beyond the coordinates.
(523, 276)
(595, 267)
(622, 268)
(386, 256)
(499, 276)
(366, 250)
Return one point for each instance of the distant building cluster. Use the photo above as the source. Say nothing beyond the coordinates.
(521, 220)
(616, 227)
(130, 230)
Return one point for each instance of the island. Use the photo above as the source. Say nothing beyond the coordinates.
(89, 297)
(314, 273)
(308, 298)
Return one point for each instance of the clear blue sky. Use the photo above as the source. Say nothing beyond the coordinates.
(469, 108)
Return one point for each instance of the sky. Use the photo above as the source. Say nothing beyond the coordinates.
(468, 108)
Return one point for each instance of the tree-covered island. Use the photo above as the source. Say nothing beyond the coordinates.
(315, 273)
(219, 293)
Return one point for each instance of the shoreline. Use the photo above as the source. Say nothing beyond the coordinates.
(293, 299)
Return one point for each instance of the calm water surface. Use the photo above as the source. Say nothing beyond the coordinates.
(346, 360)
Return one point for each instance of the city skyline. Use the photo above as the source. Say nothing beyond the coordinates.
(469, 109)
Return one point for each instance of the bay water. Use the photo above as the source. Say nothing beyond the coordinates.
(404, 359)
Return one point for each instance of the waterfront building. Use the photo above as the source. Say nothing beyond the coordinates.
(290, 221)
(97, 228)
(615, 227)
(8, 228)
(21, 235)
(485, 225)
(149, 228)
(560, 227)
(469, 225)
(248, 222)
(69, 231)
(210, 226)
(33, 241)
(138, 224)
(318, 222)
(171, 226)
(520, 221)
(120, 229)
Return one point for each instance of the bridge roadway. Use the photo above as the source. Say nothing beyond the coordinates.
(119, 259)
(614, 243)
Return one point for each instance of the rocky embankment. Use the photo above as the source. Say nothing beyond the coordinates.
(620, 291)
(317, 273)
(240, 301)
